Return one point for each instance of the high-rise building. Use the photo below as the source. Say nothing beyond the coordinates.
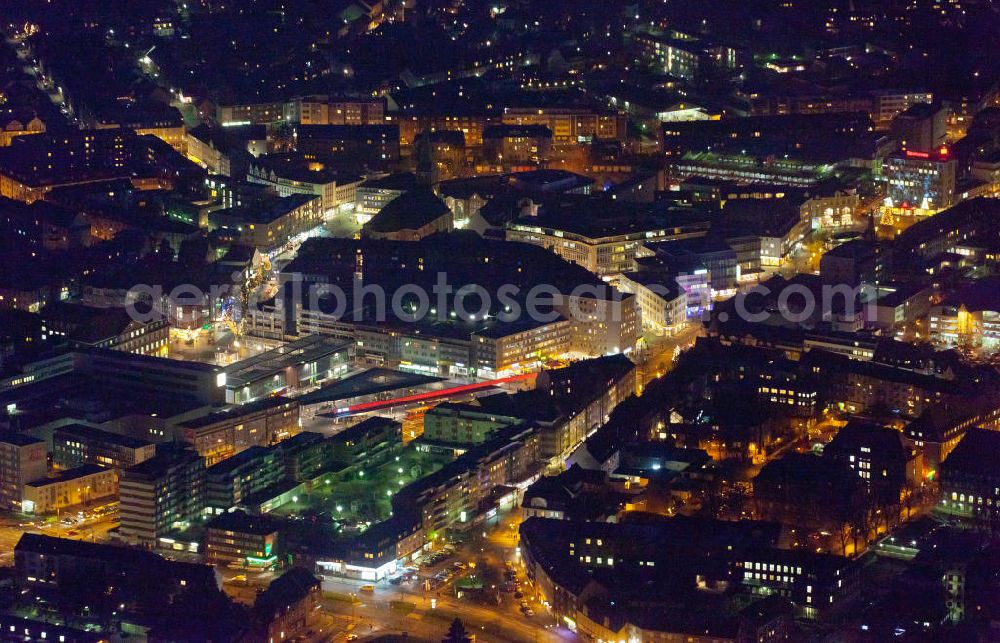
(162, 494)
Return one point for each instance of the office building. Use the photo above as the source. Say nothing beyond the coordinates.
(524, 345)
(375, 194)
(919, 183)
(662, 302)
(23, 459)
(77, 444)
(289, 174)
(272, 224)
(81, 486)
(607, 246)
(229, 431)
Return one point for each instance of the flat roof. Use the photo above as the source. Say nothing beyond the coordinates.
(266, 364)
(18, 439)
(375, 380)
(67, 475)
(234, 411)
(88, 432)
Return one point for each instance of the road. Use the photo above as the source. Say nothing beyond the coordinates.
(13, 527)
(660, 353)
(373, 615)
(409, 607)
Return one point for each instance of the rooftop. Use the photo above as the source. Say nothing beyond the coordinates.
(69, 474)
(85, 432)
(412, 210)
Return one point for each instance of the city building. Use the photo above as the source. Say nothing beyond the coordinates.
(880, 458)
(817, 584)
(366, 444)
(80, 486)
(852, 263)
(178, 596)
(250, 471)
(922, 127)
(524, 345)
(239, 538)
(227, 432)
(513, 146)
(77, 444)
(274, 225)
(662, 302)
(88, 326)
(375, 194)
(23, 459)
(225, 151)
(155, 119)
(453, 423)
(160, 496)
(968, 317)
(374, 145)
(607, 246)
(919, 183)
(262, 113)
(415, 214)
(298, 364)
(970, 486)
(289, 606)
(33, 166)
(13, 126)
(569, 125)
(676, 56)
(289, 174)
(333, 110)
(449, 500)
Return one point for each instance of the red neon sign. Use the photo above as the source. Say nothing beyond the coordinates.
(431, 395)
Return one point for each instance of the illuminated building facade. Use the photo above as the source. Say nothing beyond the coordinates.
(919, 183)
(506, 348)
(78, 486)
(569, 124)
(970, 484)
(78, 444)
(160, 495)
(601, 250)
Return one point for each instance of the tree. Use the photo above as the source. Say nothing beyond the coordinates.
(456, 633)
